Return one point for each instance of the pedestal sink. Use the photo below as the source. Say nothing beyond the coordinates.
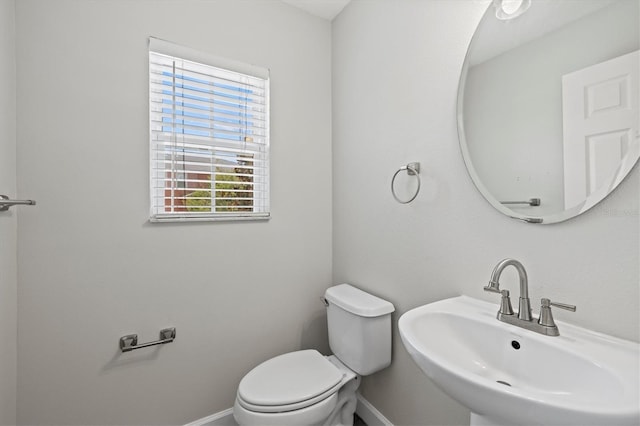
(506, 375)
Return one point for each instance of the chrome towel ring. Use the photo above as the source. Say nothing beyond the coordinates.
(413, 169)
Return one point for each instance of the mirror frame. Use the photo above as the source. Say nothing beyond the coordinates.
(626, 167)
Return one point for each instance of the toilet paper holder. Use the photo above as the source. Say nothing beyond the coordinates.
(129, 342)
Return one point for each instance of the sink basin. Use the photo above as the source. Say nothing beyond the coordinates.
(507, 375)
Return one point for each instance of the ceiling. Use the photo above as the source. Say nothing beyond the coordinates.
(327, 9)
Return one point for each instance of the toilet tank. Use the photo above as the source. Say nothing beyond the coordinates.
(359, 327)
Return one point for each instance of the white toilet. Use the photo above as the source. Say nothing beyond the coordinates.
(306, 388)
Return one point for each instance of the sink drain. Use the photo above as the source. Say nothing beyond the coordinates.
(503, 383)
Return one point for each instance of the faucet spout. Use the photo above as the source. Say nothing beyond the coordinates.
(493, 287)
(524, 312)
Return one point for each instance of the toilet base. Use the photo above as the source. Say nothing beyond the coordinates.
(342, 415)
(315, 415)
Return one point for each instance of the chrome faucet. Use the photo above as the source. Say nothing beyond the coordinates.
(545, 324)
(524, 311)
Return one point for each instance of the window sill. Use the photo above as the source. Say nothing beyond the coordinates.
(208, 218)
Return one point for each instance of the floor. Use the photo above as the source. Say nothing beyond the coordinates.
(357, 421)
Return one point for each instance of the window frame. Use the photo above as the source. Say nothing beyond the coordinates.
(260, 183)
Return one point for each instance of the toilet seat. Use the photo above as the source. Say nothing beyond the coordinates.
(289, 382)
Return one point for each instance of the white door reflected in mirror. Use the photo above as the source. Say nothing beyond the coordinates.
(601, 119)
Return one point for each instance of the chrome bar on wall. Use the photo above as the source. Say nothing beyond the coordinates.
(530, 201)
(129, 342)
(6, 202)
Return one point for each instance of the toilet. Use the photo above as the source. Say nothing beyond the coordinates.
(307, 388)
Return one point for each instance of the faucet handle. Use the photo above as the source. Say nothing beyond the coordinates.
(505, 303)
(546, 302)
(546, 318)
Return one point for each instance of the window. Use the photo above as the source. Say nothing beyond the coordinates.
(209, 136)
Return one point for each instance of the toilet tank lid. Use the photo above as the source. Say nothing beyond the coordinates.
(357, 302)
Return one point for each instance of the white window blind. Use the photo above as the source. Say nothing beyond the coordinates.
(209, 130)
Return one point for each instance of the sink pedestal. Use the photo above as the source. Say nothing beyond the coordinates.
(478, 420)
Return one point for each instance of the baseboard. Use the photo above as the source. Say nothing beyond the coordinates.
(364, 410)
(369, 413)
(223, 418)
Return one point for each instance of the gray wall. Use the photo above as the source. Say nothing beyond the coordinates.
(396, 66)
(8, 220)
(93, 269)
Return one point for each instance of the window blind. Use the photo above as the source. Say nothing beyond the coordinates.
(209, 131)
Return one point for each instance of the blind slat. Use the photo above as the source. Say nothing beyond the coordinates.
(167, 164)
(168, 70)
(196, 145)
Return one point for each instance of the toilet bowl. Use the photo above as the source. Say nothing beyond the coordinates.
(307, 388)
(297, 388)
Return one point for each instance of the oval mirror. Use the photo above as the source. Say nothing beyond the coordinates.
(548, 114)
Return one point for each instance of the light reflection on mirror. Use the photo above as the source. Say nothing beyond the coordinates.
(510, 9)
(548, 106)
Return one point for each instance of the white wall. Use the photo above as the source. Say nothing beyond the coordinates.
(395, 76)
(8, 220)
(93, 269)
